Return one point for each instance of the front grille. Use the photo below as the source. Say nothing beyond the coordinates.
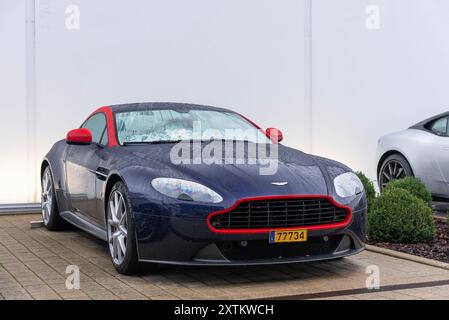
(279, 213)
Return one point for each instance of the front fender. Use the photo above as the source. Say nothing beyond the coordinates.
(55, 159)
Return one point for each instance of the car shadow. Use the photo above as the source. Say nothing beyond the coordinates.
(440, 208)
(222, 275)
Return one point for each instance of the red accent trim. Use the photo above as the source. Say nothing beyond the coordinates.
(341, 224)
(112, 138)
(81, 135)
(252, 122)
(260, 128)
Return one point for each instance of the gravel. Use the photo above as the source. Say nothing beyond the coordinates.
(438, 249)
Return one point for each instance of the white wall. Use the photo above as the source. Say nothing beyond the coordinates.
(16, 184)
(366, 82)
(245, 55)
(253, 56)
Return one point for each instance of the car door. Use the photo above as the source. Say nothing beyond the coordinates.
(82, 170)
(440, 155)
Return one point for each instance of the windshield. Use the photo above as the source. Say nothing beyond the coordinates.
(165, 126)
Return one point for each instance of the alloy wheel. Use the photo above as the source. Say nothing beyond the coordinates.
(392, 170)
(117, 227)
(47, 196)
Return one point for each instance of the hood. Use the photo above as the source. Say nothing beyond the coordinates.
(297, 172)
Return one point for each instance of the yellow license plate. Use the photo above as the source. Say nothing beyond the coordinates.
(288, 236)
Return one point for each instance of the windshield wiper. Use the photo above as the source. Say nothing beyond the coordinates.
(134, 143)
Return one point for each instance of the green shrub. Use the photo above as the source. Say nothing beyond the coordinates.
(400, 217)
(369, 188)
(414, 186)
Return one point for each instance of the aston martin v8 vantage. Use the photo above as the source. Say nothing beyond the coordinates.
(121, 176)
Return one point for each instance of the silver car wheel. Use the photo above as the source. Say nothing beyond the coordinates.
(117, 227)
(392, 170)
(47, 195)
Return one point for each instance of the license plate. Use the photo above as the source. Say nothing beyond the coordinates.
(288, 236)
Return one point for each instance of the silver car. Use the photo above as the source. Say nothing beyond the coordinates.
(421, 151)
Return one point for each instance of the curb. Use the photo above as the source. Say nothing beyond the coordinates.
(19, 208)
(410, 257)
(440, 218)
(19, 213)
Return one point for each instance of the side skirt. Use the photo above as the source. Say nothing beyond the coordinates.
(85, 225)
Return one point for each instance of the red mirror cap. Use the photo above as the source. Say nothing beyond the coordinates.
(274, 134)
(81, 136)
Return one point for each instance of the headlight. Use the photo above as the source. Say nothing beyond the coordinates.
(185, 190)
(348, 185)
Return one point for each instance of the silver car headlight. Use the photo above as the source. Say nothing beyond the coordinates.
(185, 190)
(348, 185)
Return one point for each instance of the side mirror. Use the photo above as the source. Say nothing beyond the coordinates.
(79, 136)
(274, 134)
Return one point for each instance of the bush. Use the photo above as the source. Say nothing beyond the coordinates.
(414, 186)
(400, 217)
(369, 188)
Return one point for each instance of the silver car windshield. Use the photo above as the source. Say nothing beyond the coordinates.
(160, 126)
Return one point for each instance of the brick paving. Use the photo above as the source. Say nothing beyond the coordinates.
(33, 264)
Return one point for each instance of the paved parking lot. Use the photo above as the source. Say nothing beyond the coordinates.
(33, 264)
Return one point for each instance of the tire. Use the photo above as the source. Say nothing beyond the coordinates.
(49, 206)
(119, 221)
(393, 167)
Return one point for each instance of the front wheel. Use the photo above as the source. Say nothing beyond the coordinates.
(50, 212)
(121, 234)
(393, 167)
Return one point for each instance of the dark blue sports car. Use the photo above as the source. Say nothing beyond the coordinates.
(189, 184)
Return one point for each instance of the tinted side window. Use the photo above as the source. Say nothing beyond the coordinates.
(104, 140)
(97, 125)
(440, 126)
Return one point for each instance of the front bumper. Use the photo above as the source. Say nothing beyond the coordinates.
(177, 233)
(214, 254)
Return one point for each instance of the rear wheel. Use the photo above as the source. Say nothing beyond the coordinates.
(121, 234)
(393, 167)
(50, 212)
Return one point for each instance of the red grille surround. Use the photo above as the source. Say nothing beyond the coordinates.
(254, 226)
